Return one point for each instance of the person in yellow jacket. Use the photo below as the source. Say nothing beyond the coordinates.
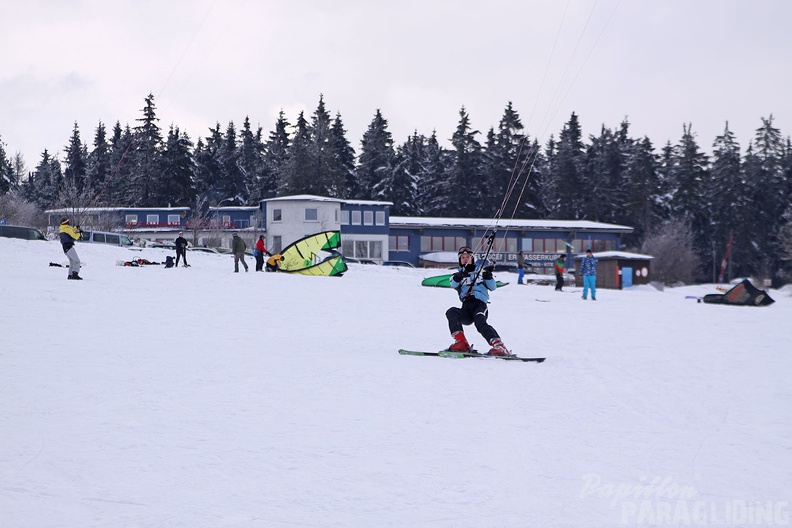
(273, 263)
(68, 235)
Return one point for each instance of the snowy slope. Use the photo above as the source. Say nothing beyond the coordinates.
(146, 397)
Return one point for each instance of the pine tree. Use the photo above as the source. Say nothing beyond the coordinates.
(376, 158)
(768, 188)
(688, 201)
(507, 168)
(118, 189)
(178, 166)
(565, 186)
(602, 179)
(6, 181)
(643, 191)
(251, 159)
(343, 167)
(399, 185)
(298, 165)
(76, 161)
(275, 156)
(232, 185)
(728, 198)
(147, 156)
(43, 185)
(208, 168)
(465, 186)
(431, 192)
(98, 164)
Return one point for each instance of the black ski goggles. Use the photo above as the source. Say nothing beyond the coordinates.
(463, 250)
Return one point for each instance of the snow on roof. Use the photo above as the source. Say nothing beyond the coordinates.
(315, 198)
(441, 257)
(112, 209)
(405, 221)
(623, 255)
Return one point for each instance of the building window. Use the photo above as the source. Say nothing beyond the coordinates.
(439, 243)
(368, 217)
(527, 245)
(276, 244)
(344, 218)
(152, 219)
(174, 219)
(379, 218)
(131, 219)
(356, 218)
(399, 243)
(277, 215)
(311, 214)
(227, 220)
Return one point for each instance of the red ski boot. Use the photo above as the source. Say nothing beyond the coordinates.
(460, 343)
(498, 348)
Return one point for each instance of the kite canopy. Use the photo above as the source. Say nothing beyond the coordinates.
(442, 281)
(744, 294)
(304, 256)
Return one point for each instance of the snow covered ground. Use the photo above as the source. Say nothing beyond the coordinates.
(152, 397)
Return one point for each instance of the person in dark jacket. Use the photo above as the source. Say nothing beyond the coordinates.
(238, 247)
(259, 251)
(68, 235)
(520, 267)
(474, 299)
(181, 250)
(558, 265)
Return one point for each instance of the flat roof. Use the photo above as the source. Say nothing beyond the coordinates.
(315, 198)
(489, 223)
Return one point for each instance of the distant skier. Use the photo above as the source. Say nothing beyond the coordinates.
(588, 269)
(558, 265)
(68, 235)
(181, 250)
(474, 304)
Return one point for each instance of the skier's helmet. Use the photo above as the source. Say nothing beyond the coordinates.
(462, 251)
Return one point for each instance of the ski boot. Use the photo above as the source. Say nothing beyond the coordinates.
(498, 348)
(460, 343)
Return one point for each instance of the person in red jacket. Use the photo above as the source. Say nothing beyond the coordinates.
(260, 251)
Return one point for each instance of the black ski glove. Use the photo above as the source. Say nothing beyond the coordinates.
(459, 276)
(487, 275)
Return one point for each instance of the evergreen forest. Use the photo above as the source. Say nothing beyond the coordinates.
(724, 192)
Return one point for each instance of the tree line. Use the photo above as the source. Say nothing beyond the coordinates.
(730, 194)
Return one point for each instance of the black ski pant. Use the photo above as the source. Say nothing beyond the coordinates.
(475, 312)
(183, 255)
(259, 262)
(559, 281)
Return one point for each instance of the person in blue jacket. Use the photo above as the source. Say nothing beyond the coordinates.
(474, 304)
(588, 269)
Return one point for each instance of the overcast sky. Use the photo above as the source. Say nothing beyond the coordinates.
(660, 64)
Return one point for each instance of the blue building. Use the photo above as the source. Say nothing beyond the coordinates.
(367, 230)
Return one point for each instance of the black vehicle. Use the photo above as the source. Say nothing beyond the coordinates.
(25, 233)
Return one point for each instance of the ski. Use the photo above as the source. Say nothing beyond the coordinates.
(463, 355)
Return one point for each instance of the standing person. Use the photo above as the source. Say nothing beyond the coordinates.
(238, 247)
(68, 235)
(474, 304)
(260, 251)
(181, 249)
(559, 271)
(588, 268)
(520, 267)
